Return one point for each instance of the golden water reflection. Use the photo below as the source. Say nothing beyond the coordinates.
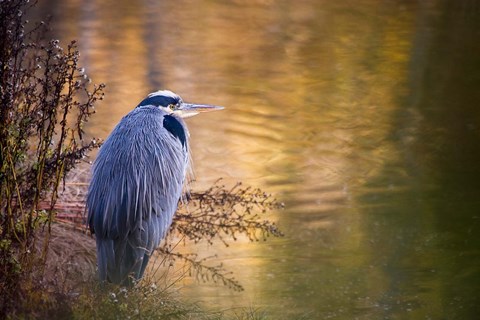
(325, 107)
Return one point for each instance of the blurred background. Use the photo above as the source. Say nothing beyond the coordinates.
(363, 117)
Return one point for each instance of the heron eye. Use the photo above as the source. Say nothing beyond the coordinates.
(172, 106)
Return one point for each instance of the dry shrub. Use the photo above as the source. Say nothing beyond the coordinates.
(45, 99)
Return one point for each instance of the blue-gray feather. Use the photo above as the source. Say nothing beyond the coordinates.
(135, 188)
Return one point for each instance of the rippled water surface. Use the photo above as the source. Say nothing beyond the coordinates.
(363, 117)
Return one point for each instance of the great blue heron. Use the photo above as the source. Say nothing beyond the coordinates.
(136, 184)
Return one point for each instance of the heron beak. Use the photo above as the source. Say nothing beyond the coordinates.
(187, 110)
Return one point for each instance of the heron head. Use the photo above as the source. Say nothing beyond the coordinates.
(172, 103)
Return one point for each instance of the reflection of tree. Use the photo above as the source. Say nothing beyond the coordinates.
(427, 233)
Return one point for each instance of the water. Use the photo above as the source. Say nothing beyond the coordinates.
(362, 117)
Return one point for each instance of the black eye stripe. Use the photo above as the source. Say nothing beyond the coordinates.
(162, 101)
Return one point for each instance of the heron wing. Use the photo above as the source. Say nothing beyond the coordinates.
(136, 184)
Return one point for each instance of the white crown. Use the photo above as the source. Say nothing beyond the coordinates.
(164, 93)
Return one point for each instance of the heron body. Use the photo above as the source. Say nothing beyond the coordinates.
(137, 182)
